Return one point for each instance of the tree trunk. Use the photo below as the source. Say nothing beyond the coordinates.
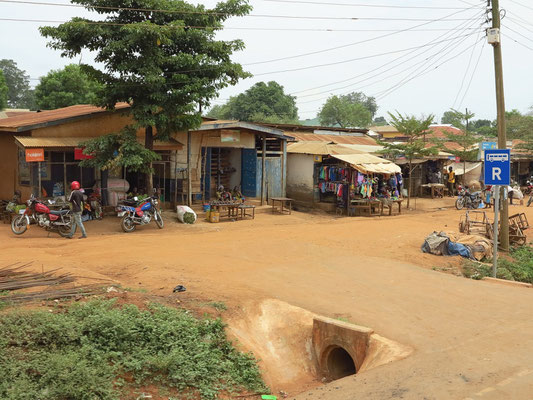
(410, 183)
(149, 144)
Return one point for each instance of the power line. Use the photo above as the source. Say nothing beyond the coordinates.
(465, 75)
(516, 41)
(432, 43)
(218, 14)
(358, 42)
(473, 74)
(518, 33)
(523, 5)
(385, 93)
(364, 5)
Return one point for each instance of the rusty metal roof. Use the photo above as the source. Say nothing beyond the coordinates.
(28, 121)
(233, 124)
(71, 142)
(320, 148)
(339, 139)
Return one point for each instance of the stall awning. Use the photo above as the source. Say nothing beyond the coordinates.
(72, 142)
(369, 164)
(459, 169)
(320, 148)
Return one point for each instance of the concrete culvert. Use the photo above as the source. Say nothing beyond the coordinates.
(340, 363)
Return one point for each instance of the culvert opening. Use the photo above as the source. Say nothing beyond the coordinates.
(340, 363)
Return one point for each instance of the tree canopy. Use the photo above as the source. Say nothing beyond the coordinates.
(164, 63)
(353, 110)
(263, 102)
(519, 126)
(3, 91)
(20, 94)
(415, 147)
(464, 143)
(66, 87)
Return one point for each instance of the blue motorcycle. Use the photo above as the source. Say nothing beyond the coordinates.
(134, 214)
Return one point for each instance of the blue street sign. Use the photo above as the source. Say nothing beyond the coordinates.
(498, 167)
(489, 145)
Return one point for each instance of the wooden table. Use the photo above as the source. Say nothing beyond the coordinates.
(436, 189)
(231, 207)
(390, 205)
(283, 203)
(244, 207)
(366, 207)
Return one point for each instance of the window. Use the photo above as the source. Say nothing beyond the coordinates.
(24, 170)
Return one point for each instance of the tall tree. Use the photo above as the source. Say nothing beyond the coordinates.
(354, 110)
(519, 126)
(18, 82)
(3, 91)
(160, 56)
(66, 87)
(415, 147)
(450, 118)
(463, 144)
(263, 102)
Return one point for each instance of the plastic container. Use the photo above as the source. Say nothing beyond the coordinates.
(207, 214)
(207, 207)
(214, 216)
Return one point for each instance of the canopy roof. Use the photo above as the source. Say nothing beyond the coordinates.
(71, 142)
(369, 164)
(320, 148)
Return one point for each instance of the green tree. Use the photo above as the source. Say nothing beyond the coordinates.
(450, 118)
(18, 82)
(519, 126)
(66, 87)
(380, 121)
(415, 147)
(485, 127)
(165, 63)
(263, 102)
(354, 110)
(3, 91)
(463, 145)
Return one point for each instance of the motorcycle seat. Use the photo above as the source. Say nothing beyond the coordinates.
(59, 212)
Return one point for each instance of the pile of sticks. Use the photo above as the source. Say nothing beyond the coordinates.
(16, 277)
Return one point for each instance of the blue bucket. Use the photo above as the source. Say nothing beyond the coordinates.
(207, 207)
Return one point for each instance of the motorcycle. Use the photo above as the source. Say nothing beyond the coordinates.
(465, 198)
(40, 214)
(133, 213)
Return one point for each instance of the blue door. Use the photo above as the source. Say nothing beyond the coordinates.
(273, 177)
(249, 172)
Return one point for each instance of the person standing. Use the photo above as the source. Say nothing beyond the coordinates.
(451, 181)
(76, 200)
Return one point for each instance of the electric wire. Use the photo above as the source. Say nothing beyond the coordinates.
(430, 68)
(518, 33)
(519, 24)
(363, 5)
(211, 13)
(523, 5)
(516, 41)
(433, 43)
(473, 74)
(465, 74)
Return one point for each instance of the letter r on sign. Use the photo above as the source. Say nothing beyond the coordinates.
(496, 172)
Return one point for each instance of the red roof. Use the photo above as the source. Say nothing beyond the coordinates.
(27, 121)
(340, 139)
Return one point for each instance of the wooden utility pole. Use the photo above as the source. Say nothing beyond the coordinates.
(500, 103)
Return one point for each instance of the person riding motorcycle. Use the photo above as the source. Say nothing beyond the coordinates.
(76, 199)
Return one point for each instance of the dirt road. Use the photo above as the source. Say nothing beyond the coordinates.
(471, 339)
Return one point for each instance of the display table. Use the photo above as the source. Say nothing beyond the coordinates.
(243, 209)
(232, 207)
(366, 207)
(390, 204)
(435, 189)
(283, 203)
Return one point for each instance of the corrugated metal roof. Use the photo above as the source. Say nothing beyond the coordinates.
(226, 124)
(339, 139)
(367, 163)
(28, 121)
(71, 142)
(320, 148)
(383, 129)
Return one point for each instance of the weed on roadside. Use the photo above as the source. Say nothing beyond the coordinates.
(85, 351)
(517, 267)
(218, 305)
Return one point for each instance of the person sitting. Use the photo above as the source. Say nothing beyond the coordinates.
(222, 194)
(237, 194)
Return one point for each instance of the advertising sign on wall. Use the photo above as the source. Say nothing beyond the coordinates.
(33, 155)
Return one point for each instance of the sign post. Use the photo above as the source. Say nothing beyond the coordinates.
(497, 173)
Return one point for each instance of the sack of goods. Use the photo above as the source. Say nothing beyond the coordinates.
(186, 214)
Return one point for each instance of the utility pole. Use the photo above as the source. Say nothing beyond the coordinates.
(500, 103)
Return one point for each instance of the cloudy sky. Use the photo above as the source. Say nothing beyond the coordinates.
(415, 56)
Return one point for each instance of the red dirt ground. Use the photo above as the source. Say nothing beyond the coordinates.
(472, 339)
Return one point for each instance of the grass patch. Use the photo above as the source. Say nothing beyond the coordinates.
(518, 267)
(218, 305)
(98, 350)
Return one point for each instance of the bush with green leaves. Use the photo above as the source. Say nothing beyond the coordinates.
(84, 352)
(519, 267)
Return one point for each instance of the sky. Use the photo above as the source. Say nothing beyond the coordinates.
(417, 57)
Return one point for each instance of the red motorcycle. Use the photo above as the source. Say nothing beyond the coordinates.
(38, 213)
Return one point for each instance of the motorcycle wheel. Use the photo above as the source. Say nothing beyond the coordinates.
(476, 203)
(64, 230)
(18, 225)
(158, 220)
(127, 224)
(459, 203)
(530, 200)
